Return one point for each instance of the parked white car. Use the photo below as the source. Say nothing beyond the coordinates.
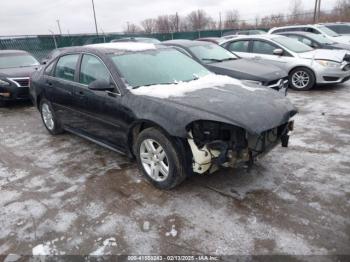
(306, 66)
(316, 29)
(340, 28)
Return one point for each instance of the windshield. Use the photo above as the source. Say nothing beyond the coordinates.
(321, 39)
(327, 31)
(212, 53)
(340, 29)
(153, 67)
(17, 60)
(292, 44)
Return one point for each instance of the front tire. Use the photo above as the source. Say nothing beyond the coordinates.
(160, 158)
(302, 79)
(49, 118)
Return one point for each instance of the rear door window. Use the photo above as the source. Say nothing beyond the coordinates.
(66, 66)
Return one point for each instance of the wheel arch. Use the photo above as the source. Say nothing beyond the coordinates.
(302, 66)
(136, 128)
(38, 99)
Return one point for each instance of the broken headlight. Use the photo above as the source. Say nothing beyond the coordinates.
(210, 133)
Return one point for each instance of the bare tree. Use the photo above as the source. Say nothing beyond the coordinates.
(256, 21)
(342, 10)
(297, 10)
(231, 19)
(163, 24)
(149, 25)
(132, 28)
(175, 22)
(277, 20)
(198, 20)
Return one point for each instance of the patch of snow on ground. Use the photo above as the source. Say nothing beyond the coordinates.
(46, 249)
(172, 232)
(181, 88)
(109, 242)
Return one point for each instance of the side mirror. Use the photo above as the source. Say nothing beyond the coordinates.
(278, 51)
(101, 85)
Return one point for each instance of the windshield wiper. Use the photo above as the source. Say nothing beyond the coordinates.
(219, 60)
(211, 59)
(228, 59)
(165, 83)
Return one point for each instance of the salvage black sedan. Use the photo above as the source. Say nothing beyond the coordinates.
(160, 106)
(16, 66)
(220, 61)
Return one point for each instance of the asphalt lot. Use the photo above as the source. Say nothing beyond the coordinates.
(65, 195)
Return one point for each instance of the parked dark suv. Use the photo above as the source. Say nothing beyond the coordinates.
(16, 66)
(160, 106)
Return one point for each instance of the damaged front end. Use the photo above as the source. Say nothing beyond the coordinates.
(215, 144)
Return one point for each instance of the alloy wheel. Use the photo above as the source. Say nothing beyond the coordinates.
(154, 160)
(47, 116)
(300, 79)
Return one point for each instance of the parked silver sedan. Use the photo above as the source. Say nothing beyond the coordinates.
(306, 66)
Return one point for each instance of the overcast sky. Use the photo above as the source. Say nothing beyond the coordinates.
(20, 17)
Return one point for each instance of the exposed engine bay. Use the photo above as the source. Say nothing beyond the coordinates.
(215, 144)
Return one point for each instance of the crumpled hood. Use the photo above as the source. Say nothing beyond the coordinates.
(18, 72)
(326, 54)
(254, 108)
(247, 69)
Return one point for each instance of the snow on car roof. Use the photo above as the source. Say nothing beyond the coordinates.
(126, 46)
(182, 88)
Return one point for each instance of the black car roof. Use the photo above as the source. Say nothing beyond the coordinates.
(186, 43)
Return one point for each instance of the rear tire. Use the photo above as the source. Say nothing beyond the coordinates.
(51, 122)
(302, 79)
(161, 158)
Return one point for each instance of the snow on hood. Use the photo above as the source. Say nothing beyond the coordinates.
(128, 46)
(182, 88)
(334, 55)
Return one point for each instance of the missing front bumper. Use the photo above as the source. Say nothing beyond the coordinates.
(212, 156)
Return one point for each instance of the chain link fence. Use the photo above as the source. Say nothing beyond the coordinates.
(41, 45)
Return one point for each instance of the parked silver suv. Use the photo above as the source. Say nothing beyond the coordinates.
(306, 66)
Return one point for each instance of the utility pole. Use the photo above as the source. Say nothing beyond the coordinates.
(59, 26)
(93, 8)
(319, 11)
(54, 38)
(315, 11)
(220, 22)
